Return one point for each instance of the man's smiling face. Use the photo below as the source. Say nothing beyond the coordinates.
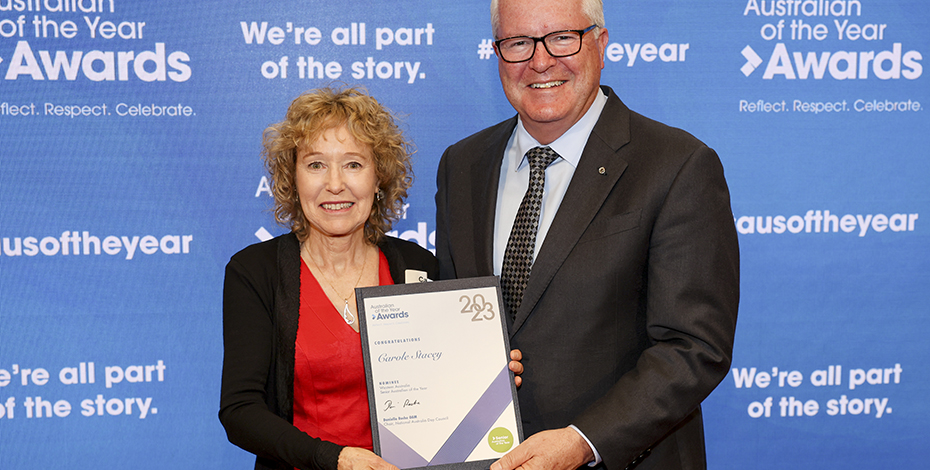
(550, 94)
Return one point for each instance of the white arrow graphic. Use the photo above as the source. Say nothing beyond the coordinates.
(263, 234)
(752, 61)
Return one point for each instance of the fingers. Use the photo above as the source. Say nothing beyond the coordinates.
(517, 369)
(511, 460)
(516, 366)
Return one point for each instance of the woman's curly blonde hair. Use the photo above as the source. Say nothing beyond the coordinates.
(370, 123)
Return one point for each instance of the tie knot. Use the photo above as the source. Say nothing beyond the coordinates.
(541, 157)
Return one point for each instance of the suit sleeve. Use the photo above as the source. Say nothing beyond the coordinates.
(248, 335)
(692, 279)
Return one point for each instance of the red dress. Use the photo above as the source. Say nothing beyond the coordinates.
(330, 395)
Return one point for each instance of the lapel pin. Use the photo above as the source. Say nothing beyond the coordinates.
(602, 170)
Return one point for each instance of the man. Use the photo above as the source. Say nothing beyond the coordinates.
(626, 319)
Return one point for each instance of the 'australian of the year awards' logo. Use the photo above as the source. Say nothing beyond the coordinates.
(63, 24)
(390, 316)
(799, 29)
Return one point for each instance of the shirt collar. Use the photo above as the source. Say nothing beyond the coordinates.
(569, 145)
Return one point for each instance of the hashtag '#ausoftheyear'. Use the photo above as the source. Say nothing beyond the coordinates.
(485, 49)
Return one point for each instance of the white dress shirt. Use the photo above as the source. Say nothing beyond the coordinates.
(515, 177)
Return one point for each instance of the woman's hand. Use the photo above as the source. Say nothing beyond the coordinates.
(356, 458)
(516, 366)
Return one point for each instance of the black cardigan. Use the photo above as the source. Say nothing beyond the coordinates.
(261, 300)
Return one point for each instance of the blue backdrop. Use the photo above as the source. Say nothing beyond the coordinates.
(130, 134)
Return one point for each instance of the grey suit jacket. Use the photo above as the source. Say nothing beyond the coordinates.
(628, 319)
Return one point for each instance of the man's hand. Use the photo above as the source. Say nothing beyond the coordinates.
(516, 366)
(555, 449)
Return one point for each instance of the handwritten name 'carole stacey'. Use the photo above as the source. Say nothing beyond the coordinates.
(405, 356)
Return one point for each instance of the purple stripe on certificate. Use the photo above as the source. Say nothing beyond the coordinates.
(477, 422)
(397, 452)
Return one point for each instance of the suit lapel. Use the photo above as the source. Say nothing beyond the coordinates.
(485, 179)
(586, 193)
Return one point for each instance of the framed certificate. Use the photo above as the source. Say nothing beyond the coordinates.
(439, 389)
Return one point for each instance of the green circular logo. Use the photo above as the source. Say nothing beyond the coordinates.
(500, 439)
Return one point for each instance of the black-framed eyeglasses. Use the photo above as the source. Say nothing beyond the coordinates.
(557, 44)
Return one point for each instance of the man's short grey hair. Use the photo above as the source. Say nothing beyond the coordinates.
(593, 9)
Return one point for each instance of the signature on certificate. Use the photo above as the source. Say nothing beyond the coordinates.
(389, 404)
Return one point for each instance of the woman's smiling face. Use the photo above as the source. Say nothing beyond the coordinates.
(336, 183)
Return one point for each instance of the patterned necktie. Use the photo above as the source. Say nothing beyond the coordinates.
(518, 257)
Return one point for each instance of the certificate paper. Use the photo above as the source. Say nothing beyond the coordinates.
(439, 389)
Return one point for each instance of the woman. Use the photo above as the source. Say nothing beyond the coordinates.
(293, 390)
